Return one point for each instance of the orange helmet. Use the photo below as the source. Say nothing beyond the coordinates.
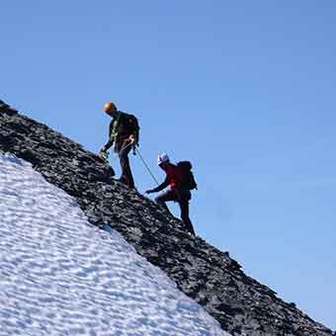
(110, 107)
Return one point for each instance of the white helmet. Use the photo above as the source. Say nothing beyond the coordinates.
(162, 158)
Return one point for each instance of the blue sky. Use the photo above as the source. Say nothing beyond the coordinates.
(245, 90)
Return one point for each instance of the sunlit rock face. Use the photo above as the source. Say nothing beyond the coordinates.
(239, 303)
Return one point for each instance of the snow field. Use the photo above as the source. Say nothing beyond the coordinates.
(59, 275)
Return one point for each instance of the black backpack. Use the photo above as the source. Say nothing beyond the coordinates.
(129, 123)
(188, 176)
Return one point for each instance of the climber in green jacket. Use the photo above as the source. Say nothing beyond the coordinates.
(123, 137)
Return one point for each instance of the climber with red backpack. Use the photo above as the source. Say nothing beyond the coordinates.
(123, 137)
(180, 180)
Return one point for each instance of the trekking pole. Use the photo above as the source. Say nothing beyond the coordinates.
(145, 164)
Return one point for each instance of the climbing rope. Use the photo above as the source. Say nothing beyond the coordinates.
(135, 151)
(146, 165)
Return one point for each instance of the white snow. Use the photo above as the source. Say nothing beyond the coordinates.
(59, 275)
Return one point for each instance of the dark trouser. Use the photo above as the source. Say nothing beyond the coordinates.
(123, 148)
(182, 198)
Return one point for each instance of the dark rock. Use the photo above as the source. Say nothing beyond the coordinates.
(6, 109)
(30, 156)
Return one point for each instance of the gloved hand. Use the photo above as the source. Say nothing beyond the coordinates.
(133, 140)
(103, 154)
(149, 191)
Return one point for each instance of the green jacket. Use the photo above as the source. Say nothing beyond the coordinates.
(122, 126)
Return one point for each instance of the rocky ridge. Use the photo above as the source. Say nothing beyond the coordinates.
(242, 305)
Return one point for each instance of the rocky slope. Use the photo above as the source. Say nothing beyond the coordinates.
(242, 305)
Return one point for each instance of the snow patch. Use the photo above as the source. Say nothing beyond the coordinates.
(59, 275)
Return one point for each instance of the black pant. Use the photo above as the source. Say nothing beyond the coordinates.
(182, 198)
(123, 148)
